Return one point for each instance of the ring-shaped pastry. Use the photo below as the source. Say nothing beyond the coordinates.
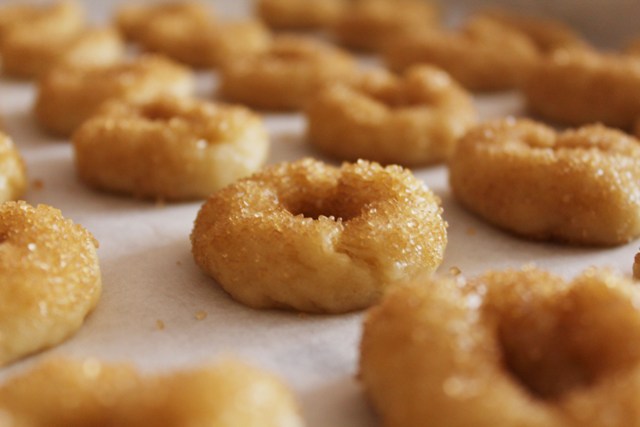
(300, 14)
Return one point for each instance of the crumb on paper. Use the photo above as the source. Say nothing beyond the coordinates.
(179, 263)
(160, 325)
(471, 231)
(37, 184)
(454, 271)
(201, 315)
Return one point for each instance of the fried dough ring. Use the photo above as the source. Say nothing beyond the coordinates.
(227, 393)
(29, 54)
(412, 120)
(285, 75)
(49, 272)
(60, 18)
(67, 96)
(369, 24)
(580, 87)
(315, 238)
(580, 186)
(515, 347)
(13, 176)
(300, 14)
(484, 55)
(169, 148)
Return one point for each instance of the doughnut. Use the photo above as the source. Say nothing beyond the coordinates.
(98, 393)
(29, 54)
(284, 76)
(49, 272)
(132, 19)
(509, 348)
(55, 19)
(68, 95)
(204, 44)
(13, 177)
(580, 186)
(169, 148)
(368, 24)
(300, 14)
(411, 120)
(636, 266)
(316, 238)
(483, 56)
(581, 87)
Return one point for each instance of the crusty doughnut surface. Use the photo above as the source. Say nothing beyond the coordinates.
(316, 238)
(581, 87)
(55, 19)
(68, 95)
(509, 348)
(580, 186)
(49, 278)
(411, 120)
(484, 55)
(13, 176)
(28, 54)
(300, 14)
(169, 148)
(79, 393)
(368, 24)
(285, 75)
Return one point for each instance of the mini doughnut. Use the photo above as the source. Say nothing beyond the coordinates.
(29, 54)
(580, 186)
(169, 148)
(581, 87)
(13, 177)
(205, 44)
(285, 75)
(412, 120)
(108, 394)
(68, 95)
(315, 238)
(132, 19)
(50, 278)
(368, 24)
(636, 266)
(56, 19)
(510, 348)
(300, 14)
(484, 55)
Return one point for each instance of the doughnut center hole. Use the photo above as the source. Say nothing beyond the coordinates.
(323, 207)
(289, 55)
(158, 112)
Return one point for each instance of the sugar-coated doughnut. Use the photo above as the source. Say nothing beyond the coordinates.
(27, 53)
(78, 393)
(300, 14)
(581, 87)
(580, 186)
(411, 120)
(316, 238)
(285, 75)
(132, 19)
(368, 24)
(169, 148)
(13, 176)
(68, 95)
(55, 19)
(484, 55)
(509, 348)
(204, 44)
(50, 278)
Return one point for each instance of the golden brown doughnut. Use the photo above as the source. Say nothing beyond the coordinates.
(580, 186)
(369, 24)
(411, 120)
(300, 14)
(312, 237)
(484, 55)
(132, 19)
(50, 278)
(580, 87)
(79, 393)
(68, 95)
(510, 348)
(13, 176)
(55, 19)
(636, 266)
(169, 148)
(27, 53)
(285, 75)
